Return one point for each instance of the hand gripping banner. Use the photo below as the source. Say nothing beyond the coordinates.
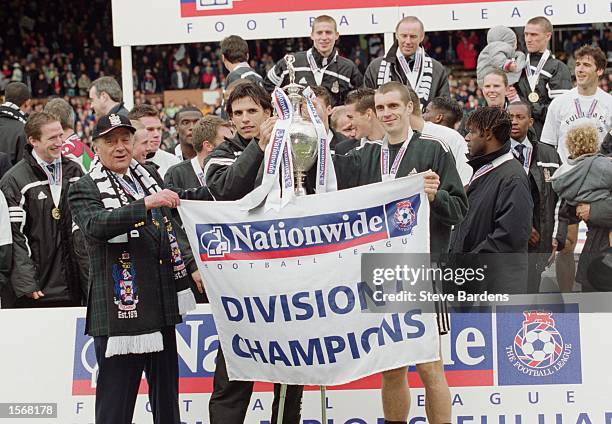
(285, 285)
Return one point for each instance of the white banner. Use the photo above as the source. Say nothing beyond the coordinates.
(192, 21)
(286, 290)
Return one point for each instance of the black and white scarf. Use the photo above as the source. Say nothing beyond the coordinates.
(132, 309)
(423, 88)
(12, 111)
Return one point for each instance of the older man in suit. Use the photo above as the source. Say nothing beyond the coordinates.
(140, 261)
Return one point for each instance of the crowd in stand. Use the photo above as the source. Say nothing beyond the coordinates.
(511, 160)
(63, 60)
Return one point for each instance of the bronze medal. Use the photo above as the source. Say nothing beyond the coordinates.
(56, 213)
(533, 97)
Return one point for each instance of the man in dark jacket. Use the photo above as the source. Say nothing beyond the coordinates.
(5, 163)
(140, 261)
(544, 76)
(320, 65)
(50, 266)
(235, 56)
(6, 254)
(408, 63)
(540, 162)
(208, 133)
(231, 172)
(106, 97)
(410, 152)
(12, 120)
(501, 220)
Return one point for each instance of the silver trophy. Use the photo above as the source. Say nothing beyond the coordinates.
(302, 134)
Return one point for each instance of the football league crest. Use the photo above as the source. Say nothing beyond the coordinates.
(125, 289)
(404, 218)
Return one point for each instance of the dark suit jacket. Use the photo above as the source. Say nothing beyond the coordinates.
(99, 226)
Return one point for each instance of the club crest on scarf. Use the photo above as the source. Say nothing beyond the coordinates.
(178, 265)
(125, 289)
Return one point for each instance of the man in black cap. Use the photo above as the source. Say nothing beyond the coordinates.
(140, 261)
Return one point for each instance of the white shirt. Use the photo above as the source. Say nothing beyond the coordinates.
(6, 236)
(527, 152)
(456, 144)
(563, 114)
(164, 160)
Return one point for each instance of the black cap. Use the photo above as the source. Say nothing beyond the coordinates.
(107, 123)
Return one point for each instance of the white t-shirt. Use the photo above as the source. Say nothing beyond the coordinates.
(6, 236)
(457, 146)
(164, 160)
(571, 109)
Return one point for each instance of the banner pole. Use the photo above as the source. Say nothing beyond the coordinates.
(281, 404)
(323, 405)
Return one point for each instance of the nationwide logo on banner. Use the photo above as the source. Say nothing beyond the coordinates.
(304, 236)
(539, 345)
(191, 8)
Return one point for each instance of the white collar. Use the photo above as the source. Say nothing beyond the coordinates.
(525, 143)
(242, 65)
(43, 162)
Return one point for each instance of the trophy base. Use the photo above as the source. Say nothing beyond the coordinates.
(300, 179)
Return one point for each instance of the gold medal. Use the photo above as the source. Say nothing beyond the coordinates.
(533, 97)
(335, 87)
(56, 213)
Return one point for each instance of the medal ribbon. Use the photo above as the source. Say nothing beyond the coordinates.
(195, 164)
(136, 193)
(316, 71)
(414, 74)
(533, 77)
(386, 173)
(55, 180)
(579, 108)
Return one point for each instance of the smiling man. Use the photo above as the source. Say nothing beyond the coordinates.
(408, 63)
(140, 264)
(49, 266)
(320, 65)
(544, 77)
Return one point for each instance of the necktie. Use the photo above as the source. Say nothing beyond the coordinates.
(51, 169)
(521, 156)
(130, 181)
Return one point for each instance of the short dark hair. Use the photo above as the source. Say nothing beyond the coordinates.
(235, 49)
(362, 98)
(494, 119)
(35, 123)
(17, 93)
(450, 109)
(322, 93)
(523, 103)
(395, 86)
(143, 110)
(62, 110)
(252, 90)
(110, 86)
(186, 109)
(601, 61)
